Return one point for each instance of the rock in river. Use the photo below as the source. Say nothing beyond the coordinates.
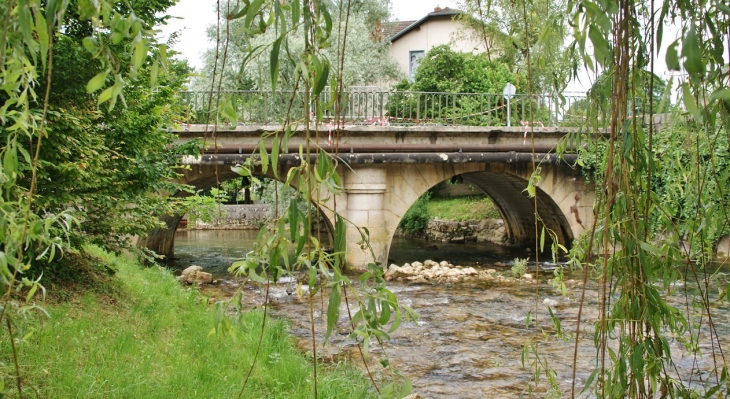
(429, 271)
(195, 275)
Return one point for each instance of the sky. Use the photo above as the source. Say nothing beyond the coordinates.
(194, 16)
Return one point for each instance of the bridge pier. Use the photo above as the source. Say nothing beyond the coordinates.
(365, 188)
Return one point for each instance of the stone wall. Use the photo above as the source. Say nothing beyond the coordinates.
(237, 217)
(485, 230)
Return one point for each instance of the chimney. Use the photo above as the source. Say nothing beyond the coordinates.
(437, 9)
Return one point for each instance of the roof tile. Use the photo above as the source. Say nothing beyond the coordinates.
(390, 29)
(394, 30)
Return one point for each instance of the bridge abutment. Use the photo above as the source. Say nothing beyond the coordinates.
(162, 240)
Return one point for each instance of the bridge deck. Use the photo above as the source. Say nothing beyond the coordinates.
(359, 144)
(384, 138)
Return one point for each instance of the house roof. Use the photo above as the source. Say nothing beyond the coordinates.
(390, 29)
(400, 29)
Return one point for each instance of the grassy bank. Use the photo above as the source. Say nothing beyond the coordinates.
(427, 208)
(138, 334)
(462, 208)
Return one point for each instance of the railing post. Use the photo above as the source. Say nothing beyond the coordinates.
(453, 111)
(525, 99)
(350, 105)
(382, 106)
(509, 120)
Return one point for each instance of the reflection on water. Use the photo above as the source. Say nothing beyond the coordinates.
(214, 250)
(404, 250)
(469, 339)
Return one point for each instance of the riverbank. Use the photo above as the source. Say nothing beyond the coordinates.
(125, 331)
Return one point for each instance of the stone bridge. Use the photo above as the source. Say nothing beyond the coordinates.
(385, 169)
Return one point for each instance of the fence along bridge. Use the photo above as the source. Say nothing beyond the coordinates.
(389, 165)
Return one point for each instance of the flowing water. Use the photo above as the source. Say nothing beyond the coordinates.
(469, 339)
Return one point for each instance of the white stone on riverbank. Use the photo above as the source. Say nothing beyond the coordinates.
(195, 275)
(430, 271)
(550, 302)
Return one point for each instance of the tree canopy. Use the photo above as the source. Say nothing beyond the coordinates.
(88, 95)
(247, 61)
(515, 35)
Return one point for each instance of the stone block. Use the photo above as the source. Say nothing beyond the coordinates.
(723, 248)
(365, 201)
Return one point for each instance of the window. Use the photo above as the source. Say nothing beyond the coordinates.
(415, 57)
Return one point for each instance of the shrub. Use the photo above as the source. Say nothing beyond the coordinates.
(519, 268)
(416, 218)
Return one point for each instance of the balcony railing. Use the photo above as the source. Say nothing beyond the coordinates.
(376, 107)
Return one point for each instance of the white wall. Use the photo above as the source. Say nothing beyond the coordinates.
(434, 32)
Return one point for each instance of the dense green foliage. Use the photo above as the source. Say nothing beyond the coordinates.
(530, 39)
(98, 162)
(416, 217)
(139, 334)
(444, 70)
(94, 162)
(675, 179)
(239, 190)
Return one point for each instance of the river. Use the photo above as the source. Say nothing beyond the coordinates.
(469, 339)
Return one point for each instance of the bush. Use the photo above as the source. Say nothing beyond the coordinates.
(416, 218)
(444, 70)
(519, 268)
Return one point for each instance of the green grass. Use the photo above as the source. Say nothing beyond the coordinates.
(146, 337)
(462, 208)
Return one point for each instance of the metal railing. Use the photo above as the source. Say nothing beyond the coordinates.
(368, 106)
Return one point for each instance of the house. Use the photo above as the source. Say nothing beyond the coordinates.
(411, 40)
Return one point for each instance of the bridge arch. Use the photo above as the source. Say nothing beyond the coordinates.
(377, 195)
(560, 202)
(389, 167)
